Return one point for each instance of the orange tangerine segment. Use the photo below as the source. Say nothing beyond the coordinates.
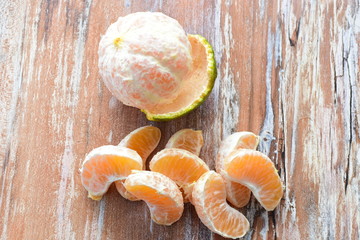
(192, 141)
(237, 194)
(233, 142)
(187, 139)
(209, 199)
(187, 191)
(180, 165)
(160, 193)
(122, 191)
(106, 164)
(143, 140)
(256, 171)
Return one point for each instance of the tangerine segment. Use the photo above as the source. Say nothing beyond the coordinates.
(186, 191)
(181, 166)
(122, 191)
(143, 140)
(160, 193)
(237, 194)
(257, 172)
(187, 139)
(234, 142)
(106, 164)
(209, 199)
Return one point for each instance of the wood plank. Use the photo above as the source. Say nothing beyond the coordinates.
(288, 71)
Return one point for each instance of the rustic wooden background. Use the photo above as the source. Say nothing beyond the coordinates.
(288, 70)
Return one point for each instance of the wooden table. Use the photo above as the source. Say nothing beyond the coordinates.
(288, 70)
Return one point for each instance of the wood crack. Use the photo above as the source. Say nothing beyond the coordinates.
(49, 10)
(335, 87)
(272, 214)
(6, 160)
(348, 158)
(283, 162)
(282, 141)
(295, 35)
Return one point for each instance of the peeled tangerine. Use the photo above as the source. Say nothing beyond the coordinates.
(147, 61)
(160, 193)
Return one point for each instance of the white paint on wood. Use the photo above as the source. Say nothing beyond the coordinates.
(265, 228)
(322, 139)
(127, 3)
(11, 21)
(262, 6)
(60, 87)
(97, 222)
(218, 46)
(289, 205)
(295, 118)
(228, 94)
(87, 229)
(64, 229)
(6, 206)
(351, 113)
(110, 137)
(267, 131)
(100, 223)
(12, 34)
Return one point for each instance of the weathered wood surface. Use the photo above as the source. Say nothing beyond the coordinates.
(288, 70)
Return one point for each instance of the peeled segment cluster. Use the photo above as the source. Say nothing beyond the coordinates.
(178, 175)
(143, 58)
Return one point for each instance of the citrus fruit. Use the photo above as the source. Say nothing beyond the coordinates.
(106, 164)
(143, 140)
(181, 166)
(238, 195)
(236, 141)
(160, 193)
(147, 61)
(209, 199)
(256, 171)
(143, 58)
(196, 86)
(122, 191)
(187, 139)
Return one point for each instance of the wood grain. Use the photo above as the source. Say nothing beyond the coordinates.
(288, 70)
